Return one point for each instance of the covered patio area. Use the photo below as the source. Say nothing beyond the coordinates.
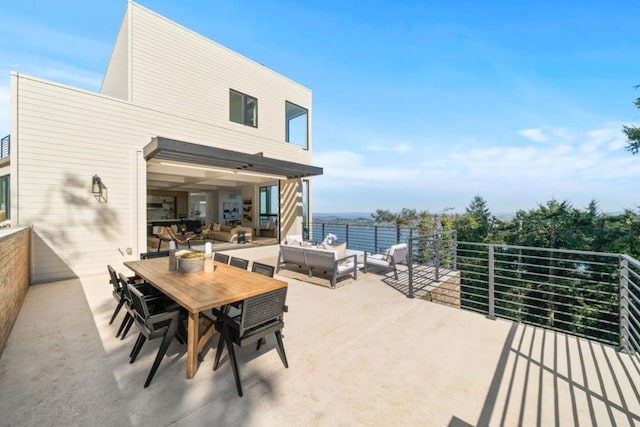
(362, 354)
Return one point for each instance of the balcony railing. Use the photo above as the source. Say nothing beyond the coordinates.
(588, 294)
(371, 238)
(5, 146)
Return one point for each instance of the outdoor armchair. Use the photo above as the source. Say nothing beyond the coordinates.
(393, 256)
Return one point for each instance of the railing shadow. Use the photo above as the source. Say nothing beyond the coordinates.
(545, 377)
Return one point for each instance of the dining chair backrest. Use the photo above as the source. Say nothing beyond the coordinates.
(262, 308)
(263, 269)
(239, 262)
(117, 288)
(138, 303)
(125, 289)
(221, 258)
(149, 255)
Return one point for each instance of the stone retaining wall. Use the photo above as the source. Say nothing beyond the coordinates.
(14, 277)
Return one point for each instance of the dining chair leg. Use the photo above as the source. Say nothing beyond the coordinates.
(137, 347)
(126, 319)
(126, 328)
(116, 311)
(221, 342)
(283, 355)
(181, 335)
(234, 366)
(166, 340)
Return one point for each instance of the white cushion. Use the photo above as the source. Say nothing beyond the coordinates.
(293, 239)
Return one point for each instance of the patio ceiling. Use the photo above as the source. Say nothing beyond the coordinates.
(183, 165)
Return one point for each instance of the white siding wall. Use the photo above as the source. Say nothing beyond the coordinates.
(178, 71)
(116, 78)
(63, 136)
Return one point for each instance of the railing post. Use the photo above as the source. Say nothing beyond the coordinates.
(375, 239)
(454, 250)
(491, 300)
(624, 306)
(346, 228)
(410, 265)
(323, 233)
(436, 250)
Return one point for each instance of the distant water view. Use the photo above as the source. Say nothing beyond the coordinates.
(359, 236)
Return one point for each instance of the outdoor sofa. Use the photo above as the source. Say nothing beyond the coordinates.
(332, 261)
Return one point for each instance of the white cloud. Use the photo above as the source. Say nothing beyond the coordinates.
(535, 135)
(576, 166)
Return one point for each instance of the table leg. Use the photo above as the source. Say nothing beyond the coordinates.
(192, 344)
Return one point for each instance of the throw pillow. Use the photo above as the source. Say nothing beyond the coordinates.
(216, 227)
(341, 252)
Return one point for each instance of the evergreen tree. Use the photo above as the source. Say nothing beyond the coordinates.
(633, 133)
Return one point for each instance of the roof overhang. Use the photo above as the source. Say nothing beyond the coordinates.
(179, 151)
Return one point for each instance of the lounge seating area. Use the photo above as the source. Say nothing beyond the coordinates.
(332, 261)
(162, 235)
(225, 233)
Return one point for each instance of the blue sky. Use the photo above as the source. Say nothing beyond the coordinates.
(417, 104)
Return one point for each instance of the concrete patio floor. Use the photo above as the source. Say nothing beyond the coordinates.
(362, 354)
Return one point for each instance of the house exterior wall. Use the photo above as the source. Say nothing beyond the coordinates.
(177, 71)
(116, 79)
(162, 80)
(61, 145)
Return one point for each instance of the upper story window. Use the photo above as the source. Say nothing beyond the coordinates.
(243, 108)
(297, 124)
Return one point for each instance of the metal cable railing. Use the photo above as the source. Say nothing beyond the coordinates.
(5, 147)
(370, 238)
(594, 295)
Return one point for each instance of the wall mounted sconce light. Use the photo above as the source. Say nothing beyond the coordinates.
(98, 189)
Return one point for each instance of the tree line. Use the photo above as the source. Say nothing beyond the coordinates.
(576, 294)
(555, 224)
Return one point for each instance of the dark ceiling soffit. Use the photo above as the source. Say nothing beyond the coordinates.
(178, 151)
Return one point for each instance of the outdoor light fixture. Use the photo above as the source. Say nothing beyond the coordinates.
(98, 189)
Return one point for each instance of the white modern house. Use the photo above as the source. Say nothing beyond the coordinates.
(182, 128)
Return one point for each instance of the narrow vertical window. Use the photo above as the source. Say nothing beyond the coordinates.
(243, 108)
(305, 210)
(5, 198)
(297, 123)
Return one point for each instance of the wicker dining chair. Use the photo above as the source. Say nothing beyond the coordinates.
(155, 322)
(261, 316)
(239, 262)
(219, 257)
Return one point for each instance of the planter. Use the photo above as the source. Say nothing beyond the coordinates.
(191, 262)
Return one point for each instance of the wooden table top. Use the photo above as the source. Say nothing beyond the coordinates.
(201, 291)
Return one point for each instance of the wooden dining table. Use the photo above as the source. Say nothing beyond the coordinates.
(200, 291)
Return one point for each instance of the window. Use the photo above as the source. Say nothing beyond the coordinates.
(296, 125)
(243, 108)
(5, 199)
(268, 205)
